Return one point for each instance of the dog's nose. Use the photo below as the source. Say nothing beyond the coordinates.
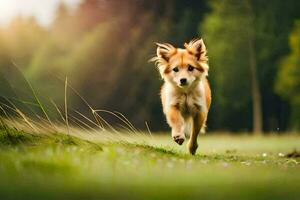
(183, 81)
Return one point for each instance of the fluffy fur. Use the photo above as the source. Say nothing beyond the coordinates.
(185, 94)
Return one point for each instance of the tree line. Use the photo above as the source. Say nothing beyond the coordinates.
(103, 47)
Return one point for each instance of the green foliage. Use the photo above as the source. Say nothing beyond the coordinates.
(104, 55)
(225, 31)
(288, 82)
(21, 40)
(104, 50)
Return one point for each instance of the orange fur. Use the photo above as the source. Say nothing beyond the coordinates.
(186, 94)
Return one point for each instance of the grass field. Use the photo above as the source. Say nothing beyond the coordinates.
(58, 166)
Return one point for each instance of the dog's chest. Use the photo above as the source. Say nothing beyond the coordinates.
(190, 104)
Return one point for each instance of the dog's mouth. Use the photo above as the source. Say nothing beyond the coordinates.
(183, 85)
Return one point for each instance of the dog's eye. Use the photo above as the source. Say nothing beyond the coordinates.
(190, 68)
(176, 69)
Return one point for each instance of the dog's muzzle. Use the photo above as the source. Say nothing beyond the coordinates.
(183, 81)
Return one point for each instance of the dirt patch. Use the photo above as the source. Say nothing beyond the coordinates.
(294, 154)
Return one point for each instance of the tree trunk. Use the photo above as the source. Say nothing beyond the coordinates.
(256, 96)
(255, 88)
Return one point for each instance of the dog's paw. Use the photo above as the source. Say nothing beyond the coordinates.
(179, 139)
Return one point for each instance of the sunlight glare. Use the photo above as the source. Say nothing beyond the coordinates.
(42, 10)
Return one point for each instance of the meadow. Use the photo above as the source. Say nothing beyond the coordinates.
(146, 166)
(81, 116)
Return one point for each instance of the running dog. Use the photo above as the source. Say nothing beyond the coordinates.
(185, 94)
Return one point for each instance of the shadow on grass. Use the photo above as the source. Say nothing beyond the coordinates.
(171, 153)
(150, 148)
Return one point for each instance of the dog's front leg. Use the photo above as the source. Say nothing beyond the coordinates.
(176, 122)
(198, 123)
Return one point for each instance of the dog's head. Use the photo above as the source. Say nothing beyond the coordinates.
(182, 67)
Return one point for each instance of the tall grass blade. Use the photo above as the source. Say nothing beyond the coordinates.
(148, 129)
(34, 94)
(66, 105)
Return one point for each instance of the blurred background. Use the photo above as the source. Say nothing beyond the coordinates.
(103, 47)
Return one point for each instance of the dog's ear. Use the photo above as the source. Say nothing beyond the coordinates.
(197, 48)
(165, 51)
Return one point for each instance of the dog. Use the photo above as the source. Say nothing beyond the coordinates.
(185, 94)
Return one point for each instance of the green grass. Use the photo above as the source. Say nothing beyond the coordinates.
(59, 166)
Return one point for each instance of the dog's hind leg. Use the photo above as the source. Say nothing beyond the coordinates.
(198, 124)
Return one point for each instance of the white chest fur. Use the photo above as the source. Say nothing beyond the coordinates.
(189, 102)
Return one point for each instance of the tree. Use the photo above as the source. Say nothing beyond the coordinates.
(255, 85)
(248, 38)
(288, 81)
(22, 38)
(230, 34)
